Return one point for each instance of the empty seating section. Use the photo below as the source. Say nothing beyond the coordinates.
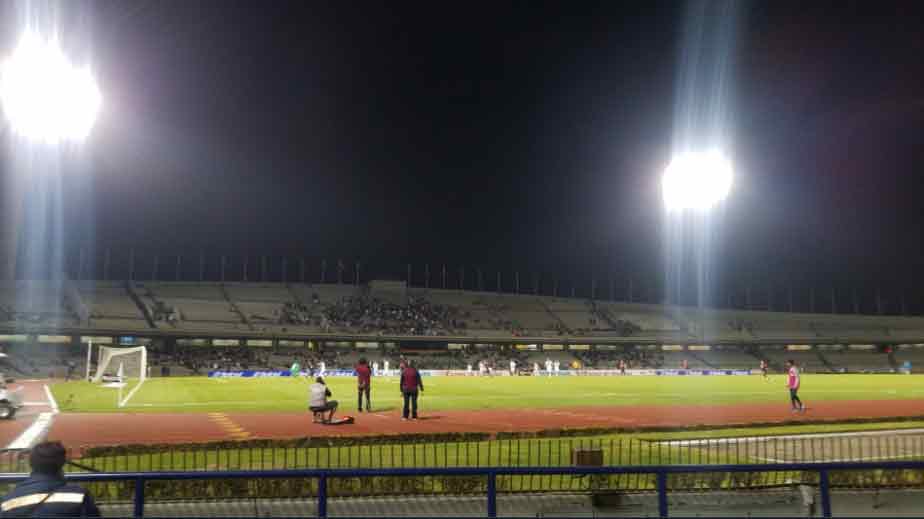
(109, 301)
(576, 314)
(327, 294)
(808, 360)
(854, 360)
(34, 298)
(195, 303)
(259, 311)
(525, 313)
(206, 291)
(674, 360)
(275, 293)
(912, 354)
(117, 324)
(730, 358)
(200, 310)
(647, 322)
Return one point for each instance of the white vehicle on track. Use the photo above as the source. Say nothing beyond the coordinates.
(10, 400)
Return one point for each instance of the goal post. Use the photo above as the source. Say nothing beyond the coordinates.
(123, 368)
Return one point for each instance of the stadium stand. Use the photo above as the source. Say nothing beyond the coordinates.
(732, 357)
(913, 353)
(738, 339)
(111, 307)
(36, 304)
(197, 306)
(851, 359)
(808, 360)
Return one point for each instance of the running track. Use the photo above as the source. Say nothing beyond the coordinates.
(81, 430)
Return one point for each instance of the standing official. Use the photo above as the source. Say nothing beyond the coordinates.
(411, 384)
(364, 384)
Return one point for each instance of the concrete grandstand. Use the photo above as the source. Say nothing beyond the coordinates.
(527, 328)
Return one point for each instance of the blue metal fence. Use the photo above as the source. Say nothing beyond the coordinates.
(490, 474)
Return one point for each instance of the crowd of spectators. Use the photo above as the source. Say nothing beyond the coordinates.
(295, 313)
(371, 315)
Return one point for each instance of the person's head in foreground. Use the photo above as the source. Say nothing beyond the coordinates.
(48, 459)
(319, 380)
(790, 363)
(362, 361)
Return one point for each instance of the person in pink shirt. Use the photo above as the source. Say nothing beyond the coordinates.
(793, 382)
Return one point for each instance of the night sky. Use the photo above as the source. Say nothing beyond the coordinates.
(523, 136)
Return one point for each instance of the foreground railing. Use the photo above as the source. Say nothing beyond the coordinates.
(480, 451)
(662, 477)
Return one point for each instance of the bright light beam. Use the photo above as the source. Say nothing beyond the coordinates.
(696, 181)
(45, 97)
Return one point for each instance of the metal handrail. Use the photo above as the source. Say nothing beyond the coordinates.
(322, 475)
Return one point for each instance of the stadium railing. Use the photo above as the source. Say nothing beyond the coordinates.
(490, 474)
(481, 451)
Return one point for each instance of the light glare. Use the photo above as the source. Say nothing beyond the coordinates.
(44, 96)
(696, 180)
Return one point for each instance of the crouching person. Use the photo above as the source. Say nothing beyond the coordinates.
(46, 493)
(318, 402)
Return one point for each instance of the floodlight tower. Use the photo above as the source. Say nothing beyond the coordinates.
(693, 185)
(47, 102)
(699, 176)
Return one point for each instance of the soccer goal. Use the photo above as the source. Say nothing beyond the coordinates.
(123, 368)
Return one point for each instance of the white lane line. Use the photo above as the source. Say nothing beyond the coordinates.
(751, 439)
(51, 399)
(34, 433)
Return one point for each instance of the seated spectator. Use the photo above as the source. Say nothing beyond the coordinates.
(46, 493)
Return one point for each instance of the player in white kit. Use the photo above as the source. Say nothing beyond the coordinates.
(513, 367)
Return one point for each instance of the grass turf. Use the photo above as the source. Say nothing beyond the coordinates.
(202, 394)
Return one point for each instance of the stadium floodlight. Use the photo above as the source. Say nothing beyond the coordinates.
(696, 180)
(44, 96)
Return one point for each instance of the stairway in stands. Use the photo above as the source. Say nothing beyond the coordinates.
(237, 309)
(824, 360)
(131, 288)
(893, 362)
(700, 358)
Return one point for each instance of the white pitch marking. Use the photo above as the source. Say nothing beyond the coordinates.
(753, 439)
(51, 399)
(33, 433)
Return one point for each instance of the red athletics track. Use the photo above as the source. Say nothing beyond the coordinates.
(83, 430)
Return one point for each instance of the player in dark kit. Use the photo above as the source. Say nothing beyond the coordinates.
(763, 370)
(364, 384)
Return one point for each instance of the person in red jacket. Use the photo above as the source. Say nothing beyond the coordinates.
(364, 384)
(410, 384)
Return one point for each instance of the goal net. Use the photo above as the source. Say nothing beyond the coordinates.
(123, 368)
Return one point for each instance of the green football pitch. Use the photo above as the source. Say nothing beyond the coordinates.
(202, 394)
